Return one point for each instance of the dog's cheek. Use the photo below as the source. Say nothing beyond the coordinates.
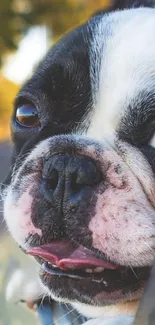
(123, 226)
(18, 216)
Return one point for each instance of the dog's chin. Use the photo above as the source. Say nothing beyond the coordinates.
(94, 286)
(96, 294)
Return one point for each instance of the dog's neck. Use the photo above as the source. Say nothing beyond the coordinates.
(118, 320)
(125, 309)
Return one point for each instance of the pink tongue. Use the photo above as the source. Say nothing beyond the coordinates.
(67, 257)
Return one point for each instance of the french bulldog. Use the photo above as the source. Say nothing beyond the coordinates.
(80, 195)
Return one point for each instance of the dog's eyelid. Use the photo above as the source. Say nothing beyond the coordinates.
(21, 101)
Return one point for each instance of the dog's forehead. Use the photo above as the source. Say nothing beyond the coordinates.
(98, 76)
(122, 69)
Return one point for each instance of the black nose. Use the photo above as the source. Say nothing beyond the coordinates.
(69, 176)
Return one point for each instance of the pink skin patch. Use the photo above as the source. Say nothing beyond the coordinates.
(123, 226)
(18, 216)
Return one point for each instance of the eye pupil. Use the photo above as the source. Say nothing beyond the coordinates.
(27, 115)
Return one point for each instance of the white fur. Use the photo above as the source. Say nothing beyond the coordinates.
(106, 311)
(152, 141)
(18, 216)
(119, 320)
(123, 54)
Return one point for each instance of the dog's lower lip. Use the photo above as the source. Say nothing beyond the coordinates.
(59, 272)
(53, 270)
(105, 278)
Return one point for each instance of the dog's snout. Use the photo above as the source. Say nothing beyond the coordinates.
(68, 175)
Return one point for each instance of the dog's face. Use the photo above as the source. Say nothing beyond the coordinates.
(81, 192)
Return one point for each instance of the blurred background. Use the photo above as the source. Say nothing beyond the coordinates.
(27, 29)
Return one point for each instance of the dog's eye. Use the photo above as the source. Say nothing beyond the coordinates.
(27, 115)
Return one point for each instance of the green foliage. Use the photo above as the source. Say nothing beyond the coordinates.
(16, 16)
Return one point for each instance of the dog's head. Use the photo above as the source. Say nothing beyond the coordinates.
(81, 191)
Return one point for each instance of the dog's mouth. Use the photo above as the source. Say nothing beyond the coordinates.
(63, 260)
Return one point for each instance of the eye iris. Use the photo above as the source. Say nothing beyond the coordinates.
(27, 115)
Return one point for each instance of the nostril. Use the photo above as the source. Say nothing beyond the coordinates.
(87, 175)
(69, 176)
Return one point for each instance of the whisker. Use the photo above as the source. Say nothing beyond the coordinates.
(43, 297)
(134, 272)
(76, 318)
(69, 312)
(151, 249)
(2, 184)
(67, 306)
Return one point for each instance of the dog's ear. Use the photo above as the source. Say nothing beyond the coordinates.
(126, 4)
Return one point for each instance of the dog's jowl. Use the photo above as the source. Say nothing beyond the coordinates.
(80, 196)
